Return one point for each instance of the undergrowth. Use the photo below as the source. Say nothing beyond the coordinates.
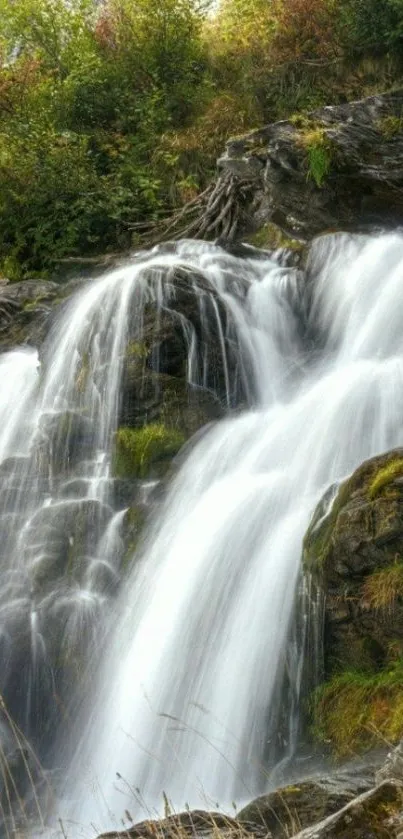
(113, 114)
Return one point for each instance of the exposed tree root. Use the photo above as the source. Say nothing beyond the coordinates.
(215, 213)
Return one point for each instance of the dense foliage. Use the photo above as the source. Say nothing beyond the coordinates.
(112, 112)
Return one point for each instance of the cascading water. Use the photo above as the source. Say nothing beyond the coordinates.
(187, 700)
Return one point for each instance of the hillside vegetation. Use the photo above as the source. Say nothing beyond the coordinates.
(112, 114)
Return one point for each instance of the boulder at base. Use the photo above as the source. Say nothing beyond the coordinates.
(188, 825)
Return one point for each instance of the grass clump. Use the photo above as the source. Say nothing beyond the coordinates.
(319, 153)
(354, 709)
(142, 451)
(384, 588)
(385, 476)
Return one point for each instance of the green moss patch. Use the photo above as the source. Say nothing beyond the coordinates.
(272, 237)
(140, 452)
(356, 710)
(385, 476)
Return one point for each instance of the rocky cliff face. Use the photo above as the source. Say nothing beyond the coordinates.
(337, 167)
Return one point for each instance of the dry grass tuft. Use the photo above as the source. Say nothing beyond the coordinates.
(384, 588)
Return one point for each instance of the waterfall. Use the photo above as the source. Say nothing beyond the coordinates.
(169, 683)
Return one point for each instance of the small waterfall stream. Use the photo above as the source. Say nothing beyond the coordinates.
(171, 683)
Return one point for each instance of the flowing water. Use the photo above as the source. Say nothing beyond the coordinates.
(192, 666)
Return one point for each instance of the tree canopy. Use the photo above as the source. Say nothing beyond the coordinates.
(112, 113)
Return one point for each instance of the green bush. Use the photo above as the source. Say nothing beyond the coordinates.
(371, 26)
(85, 95)
(112, 114)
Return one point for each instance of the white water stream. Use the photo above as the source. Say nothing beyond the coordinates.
(197, 640)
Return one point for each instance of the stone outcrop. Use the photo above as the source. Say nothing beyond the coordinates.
(338, 167)
(283, 812)
(27, 309)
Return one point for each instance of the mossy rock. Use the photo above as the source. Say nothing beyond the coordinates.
(145, 452)
(353, 550)
(362, 528)
(151, 397)
(63, 440)
(271, 237)
(375, 814)
(283, 812)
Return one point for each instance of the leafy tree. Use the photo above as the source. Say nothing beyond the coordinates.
(372, 26)
(86, 92)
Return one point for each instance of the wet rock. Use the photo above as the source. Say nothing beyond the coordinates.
(20, 485)
(24, 311)
(149, 397)
(28, 309)
(63, 440)
(125, 491)
(241, 250)
(14, 467)
(291, 808)
(132, 529)
(373, 815)
(61, 539)
(179, 360)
